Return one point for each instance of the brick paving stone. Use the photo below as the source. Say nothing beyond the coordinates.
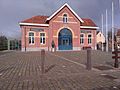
(22, 71)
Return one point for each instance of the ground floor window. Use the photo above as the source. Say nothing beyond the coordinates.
(89, 39)
(42, 38)
(82, 39)
(31, 38)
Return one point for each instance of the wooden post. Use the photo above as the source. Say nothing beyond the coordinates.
(89, 64)
(42, 61)
(116, 64)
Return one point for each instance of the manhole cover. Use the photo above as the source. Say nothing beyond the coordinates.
(103, 67)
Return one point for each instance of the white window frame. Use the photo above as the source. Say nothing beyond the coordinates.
(65, 18)
(82, 38)
(89, 38)
(42, 37)
(31, 38)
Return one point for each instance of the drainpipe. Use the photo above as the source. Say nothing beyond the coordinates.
(25, 39)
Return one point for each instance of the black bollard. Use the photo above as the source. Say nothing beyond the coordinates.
(89, 64)
(42, 61)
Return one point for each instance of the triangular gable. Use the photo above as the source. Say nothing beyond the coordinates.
(61, 9)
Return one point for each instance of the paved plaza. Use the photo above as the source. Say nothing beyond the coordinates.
(63, 71)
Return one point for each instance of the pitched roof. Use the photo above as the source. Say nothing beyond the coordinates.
(36, 20)
(97, 32)
(88, 22)
(65, 5)
(42, 20)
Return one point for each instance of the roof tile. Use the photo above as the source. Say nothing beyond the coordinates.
(42, 20)
(88, 22)
(36, 19)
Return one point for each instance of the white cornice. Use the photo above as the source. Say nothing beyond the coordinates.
(89, 27)
(61, 9)
(33, 24)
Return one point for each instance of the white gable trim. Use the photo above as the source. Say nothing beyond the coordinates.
(33, 24)
(61, 9)
(89, 27)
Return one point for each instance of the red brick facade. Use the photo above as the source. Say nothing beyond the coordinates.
(52, 25)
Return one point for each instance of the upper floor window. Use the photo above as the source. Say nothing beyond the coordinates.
(31, 38)
(65, 18)
(89, 39)
(42, 38)
(82, 39)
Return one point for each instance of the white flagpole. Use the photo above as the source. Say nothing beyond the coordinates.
(119, 4)
(102, 32)
(112, 26)
(106, 30)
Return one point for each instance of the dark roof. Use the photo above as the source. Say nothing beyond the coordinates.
(118, 32)
(88, 22)
(36, 19)
(42, 20)
(98, 32)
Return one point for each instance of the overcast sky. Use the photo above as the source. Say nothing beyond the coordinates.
(14, 11)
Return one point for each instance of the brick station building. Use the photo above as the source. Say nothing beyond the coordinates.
(64, 28)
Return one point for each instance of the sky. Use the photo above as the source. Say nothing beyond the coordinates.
(14, 11)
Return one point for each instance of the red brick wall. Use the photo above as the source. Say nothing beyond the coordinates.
(55, 25)
(36, 36)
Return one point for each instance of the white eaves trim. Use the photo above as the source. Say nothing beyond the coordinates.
(89, 27)
(61, 9)
(33, 24)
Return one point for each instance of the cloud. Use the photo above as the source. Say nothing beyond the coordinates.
(14, 11)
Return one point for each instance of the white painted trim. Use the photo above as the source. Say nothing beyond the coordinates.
(91, 27)
(61, 9)
(82, 38)
(44, 37)
(30, 38)
(33, 24)
(34, 49)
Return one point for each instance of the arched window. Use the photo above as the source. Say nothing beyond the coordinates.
(31, 38)
(81, 38)
(89, 39)
(65, 19)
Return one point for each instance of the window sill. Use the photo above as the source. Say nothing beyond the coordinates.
(31, 44)
(90, 44)
(65, 22)
(82, 44)
(42, 44)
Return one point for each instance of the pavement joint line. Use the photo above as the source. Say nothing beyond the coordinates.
(73, 62)
(3, 55)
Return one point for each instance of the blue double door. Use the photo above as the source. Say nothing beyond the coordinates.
(65, 39)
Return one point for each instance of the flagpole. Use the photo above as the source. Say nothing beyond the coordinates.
(102, 31)
(106, 30)
(112, 26)
(119, 4)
